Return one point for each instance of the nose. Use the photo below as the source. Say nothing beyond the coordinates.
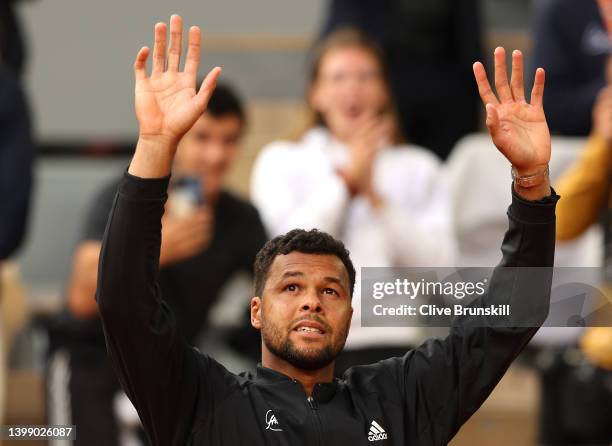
(352, 86)
(311, 303)
(214, 155)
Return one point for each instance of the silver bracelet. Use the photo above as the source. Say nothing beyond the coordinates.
(535, 179)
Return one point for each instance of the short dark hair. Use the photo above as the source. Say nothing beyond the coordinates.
(307, 242)
(225, 101)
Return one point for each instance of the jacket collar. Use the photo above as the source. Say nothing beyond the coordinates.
(322, 393)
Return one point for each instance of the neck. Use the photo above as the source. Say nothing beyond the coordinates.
(211, 197)
(307, 378)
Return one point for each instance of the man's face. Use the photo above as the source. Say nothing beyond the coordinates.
(208, 150)
(305, 311)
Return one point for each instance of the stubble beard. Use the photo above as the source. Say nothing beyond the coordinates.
(301, 358)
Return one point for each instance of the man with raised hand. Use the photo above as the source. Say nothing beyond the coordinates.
(302, 305)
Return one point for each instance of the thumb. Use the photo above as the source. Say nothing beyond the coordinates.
(492, 121)
(492, 118)
(206, 89)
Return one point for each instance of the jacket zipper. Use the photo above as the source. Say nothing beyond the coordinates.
(313, 406)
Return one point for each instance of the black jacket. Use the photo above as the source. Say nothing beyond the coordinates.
(185, 397)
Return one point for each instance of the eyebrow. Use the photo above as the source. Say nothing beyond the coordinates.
(331, 279)
(334, 280)
(293, 274)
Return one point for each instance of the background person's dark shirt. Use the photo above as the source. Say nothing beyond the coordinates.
(572, 45)
(189, 287)
(12, 45)
(16, 159)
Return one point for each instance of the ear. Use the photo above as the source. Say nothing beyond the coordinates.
(256, 305)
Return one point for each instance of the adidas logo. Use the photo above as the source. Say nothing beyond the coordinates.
(376, 432)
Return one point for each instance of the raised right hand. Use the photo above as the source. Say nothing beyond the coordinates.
(167, 104)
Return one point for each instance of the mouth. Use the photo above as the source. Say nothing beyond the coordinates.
(354, 111)
(310, 329)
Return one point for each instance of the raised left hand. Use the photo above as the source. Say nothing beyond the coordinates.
(518, 128)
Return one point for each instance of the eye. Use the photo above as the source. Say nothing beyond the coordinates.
(337, 78)
(202, 137)
(231, 140)
(331, 291)
(292, 287)
(368, 76)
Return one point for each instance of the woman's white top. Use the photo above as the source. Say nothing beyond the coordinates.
(295, 185)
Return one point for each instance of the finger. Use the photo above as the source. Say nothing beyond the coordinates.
(206, 89)
(199, 219)
(192, 60)
(193, 249)
(501, 75)
(186, 234)
(484, 87)
(140, 64)
(159, 49)
(200, 237)
(194, 237)
(516, 82)
(193, 242)
(537, 93)
(176, 40)
(199, 216)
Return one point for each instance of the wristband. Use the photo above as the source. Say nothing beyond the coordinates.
(535, 179)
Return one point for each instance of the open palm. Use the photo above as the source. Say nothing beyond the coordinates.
(518, 129)
(167, 103)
